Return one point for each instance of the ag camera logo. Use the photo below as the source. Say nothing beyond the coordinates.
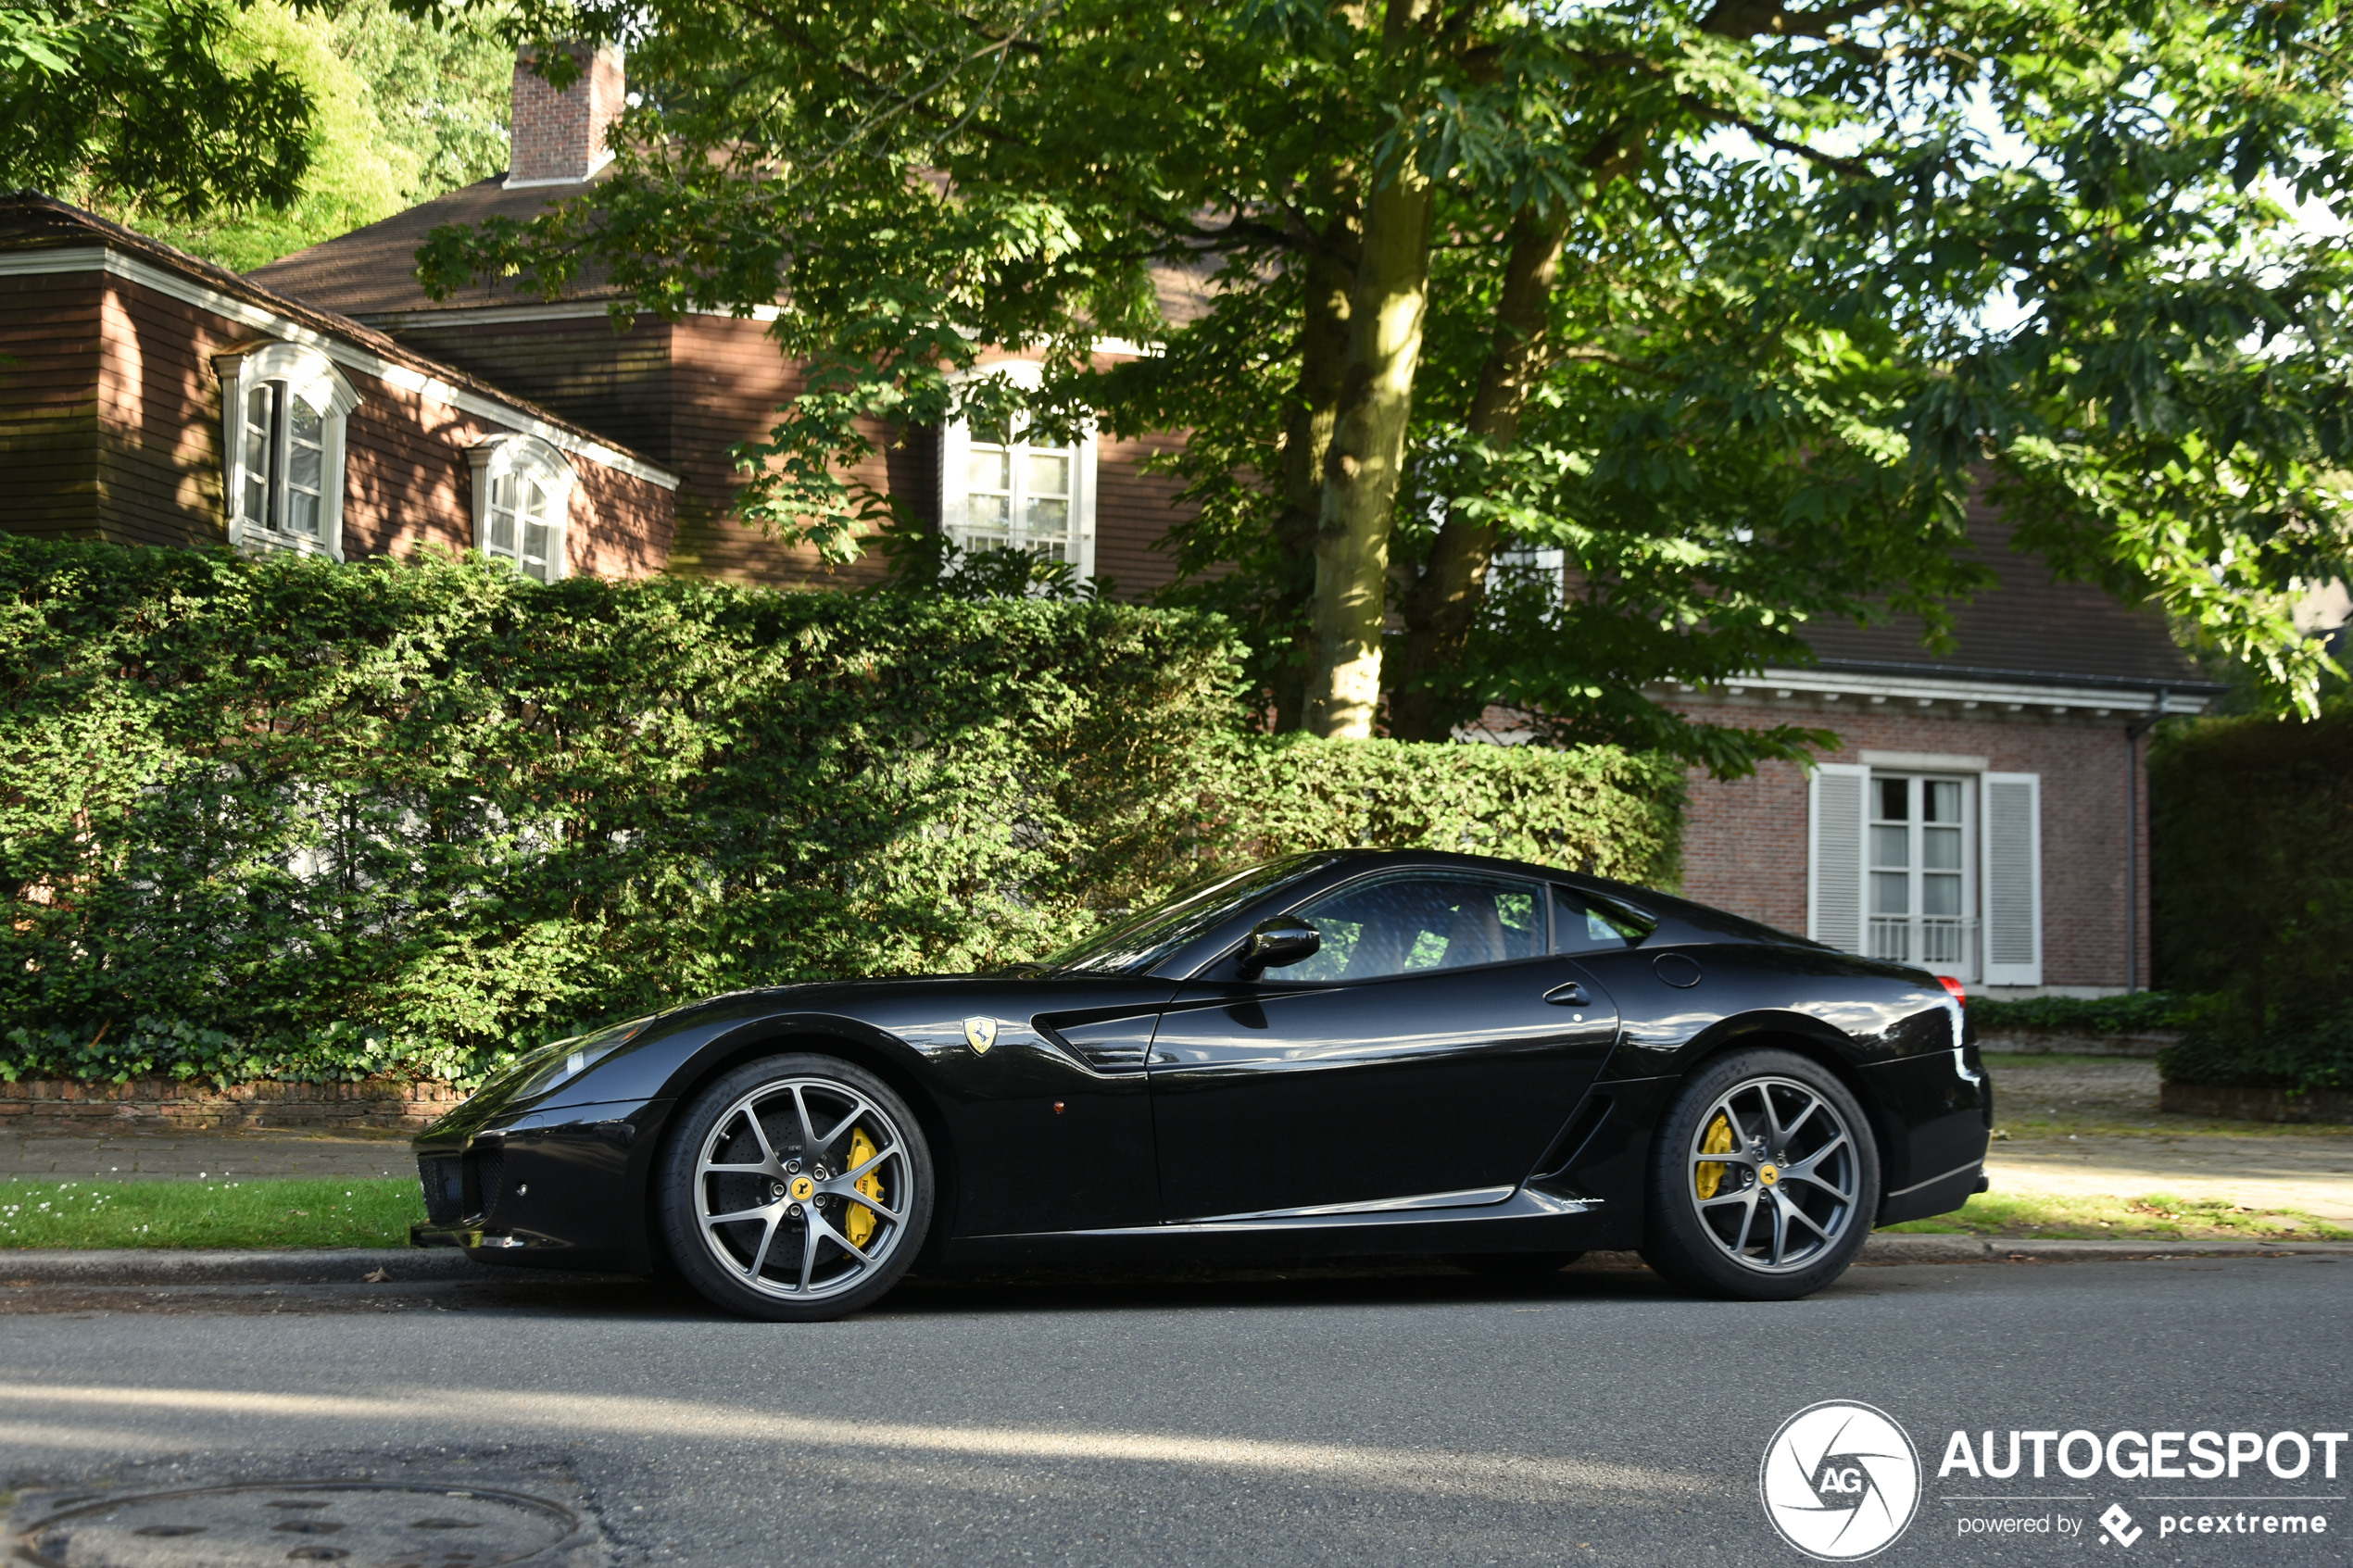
(1840, 1480)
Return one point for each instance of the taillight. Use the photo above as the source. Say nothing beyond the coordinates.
(1954, 986)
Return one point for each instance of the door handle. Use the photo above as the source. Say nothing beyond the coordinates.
(1569, 995)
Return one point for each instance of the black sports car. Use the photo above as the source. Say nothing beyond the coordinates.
(1357, 1052)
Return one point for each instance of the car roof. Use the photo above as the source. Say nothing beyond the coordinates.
(1679, 920)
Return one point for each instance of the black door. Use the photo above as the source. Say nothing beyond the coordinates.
(1426, 1056)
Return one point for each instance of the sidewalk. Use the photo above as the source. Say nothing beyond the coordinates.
(118, 1155)
(2091, 1128)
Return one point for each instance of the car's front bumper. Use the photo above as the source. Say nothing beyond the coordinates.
(551, 1187)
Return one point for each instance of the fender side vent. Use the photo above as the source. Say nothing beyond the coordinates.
(1114, 1045)
(1573, 1138)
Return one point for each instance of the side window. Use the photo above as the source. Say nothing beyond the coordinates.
(1404, 924)
(1581, 925)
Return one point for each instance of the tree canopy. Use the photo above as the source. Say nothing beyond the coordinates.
(402, 110)
(145, 101)
(240, 133)
(1548, 350)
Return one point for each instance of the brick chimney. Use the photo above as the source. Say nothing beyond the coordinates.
(558, 138)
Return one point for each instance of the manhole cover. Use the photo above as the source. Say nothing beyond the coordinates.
(366, 1524)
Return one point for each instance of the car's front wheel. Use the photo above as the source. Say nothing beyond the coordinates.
(1763, 1179)
(796, 1188)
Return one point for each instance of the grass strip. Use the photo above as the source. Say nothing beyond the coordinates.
(2155, 1216)
(241, 1215)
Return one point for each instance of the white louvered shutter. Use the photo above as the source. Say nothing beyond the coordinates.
(2012, 884)
(1834, 861)
(955, 461)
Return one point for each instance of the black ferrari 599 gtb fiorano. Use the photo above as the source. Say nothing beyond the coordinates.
(1355, 1052)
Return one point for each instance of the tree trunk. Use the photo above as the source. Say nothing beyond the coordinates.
(1329, 263)
(1367, 457)
(1425, 701)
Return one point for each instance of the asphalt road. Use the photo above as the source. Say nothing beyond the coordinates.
(1408, 1416)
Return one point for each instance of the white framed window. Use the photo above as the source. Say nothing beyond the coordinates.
(1923, 896)
(1944, 871)
(283, 409)
(1004, 489)
(522, 504)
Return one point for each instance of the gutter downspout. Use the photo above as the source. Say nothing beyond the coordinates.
(2133, 733)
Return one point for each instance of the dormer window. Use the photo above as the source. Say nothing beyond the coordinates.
(522, 502)
(284, 407)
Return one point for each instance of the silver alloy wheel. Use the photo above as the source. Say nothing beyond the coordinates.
(1783, 1193)
(778, 1196)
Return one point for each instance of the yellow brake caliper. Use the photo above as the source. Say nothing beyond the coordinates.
(1708, 1175)
(861, 1220)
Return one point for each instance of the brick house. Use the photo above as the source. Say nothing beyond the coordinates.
(147, 397)
(1984, 813)
(686, 391)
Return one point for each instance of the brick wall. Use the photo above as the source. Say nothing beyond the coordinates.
(115, 415)
(42, 1105)
(49, 445)
(1744, 845)
(562, 135)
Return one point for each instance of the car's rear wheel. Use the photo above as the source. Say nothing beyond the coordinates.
(796, 1188)
(1763, 1179)
(1513, 1265)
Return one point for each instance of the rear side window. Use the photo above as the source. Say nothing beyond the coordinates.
(1407, 924)
(1584, 924)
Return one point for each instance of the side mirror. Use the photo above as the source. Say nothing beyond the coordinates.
(1274, 943)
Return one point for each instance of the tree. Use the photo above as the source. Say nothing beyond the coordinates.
(402, 110)
(1710, 299)
(140, 102)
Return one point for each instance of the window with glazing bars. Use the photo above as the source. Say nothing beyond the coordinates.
(520, 525)
(1017, 495)
(1921, 892)
(286, 462)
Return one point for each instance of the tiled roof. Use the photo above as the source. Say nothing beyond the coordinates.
(30, 220)
(2032, 626)
(373, 272)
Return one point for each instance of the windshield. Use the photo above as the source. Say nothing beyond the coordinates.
(1136, 943)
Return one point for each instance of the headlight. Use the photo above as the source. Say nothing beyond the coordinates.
(567, 1059)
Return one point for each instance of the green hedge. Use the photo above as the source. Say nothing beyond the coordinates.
(2134, 1014)
(290, 819)
(2253, 847)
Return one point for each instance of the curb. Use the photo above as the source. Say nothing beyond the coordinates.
(1904, 1247)
(340, 1266)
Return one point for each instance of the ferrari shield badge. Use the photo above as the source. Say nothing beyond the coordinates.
(980, 1033)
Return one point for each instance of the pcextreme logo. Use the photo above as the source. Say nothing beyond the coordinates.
(1840, 1480)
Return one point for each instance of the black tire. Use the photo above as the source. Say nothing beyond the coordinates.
(1513, 1265)
(1785, 1208)
(774, 1141)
